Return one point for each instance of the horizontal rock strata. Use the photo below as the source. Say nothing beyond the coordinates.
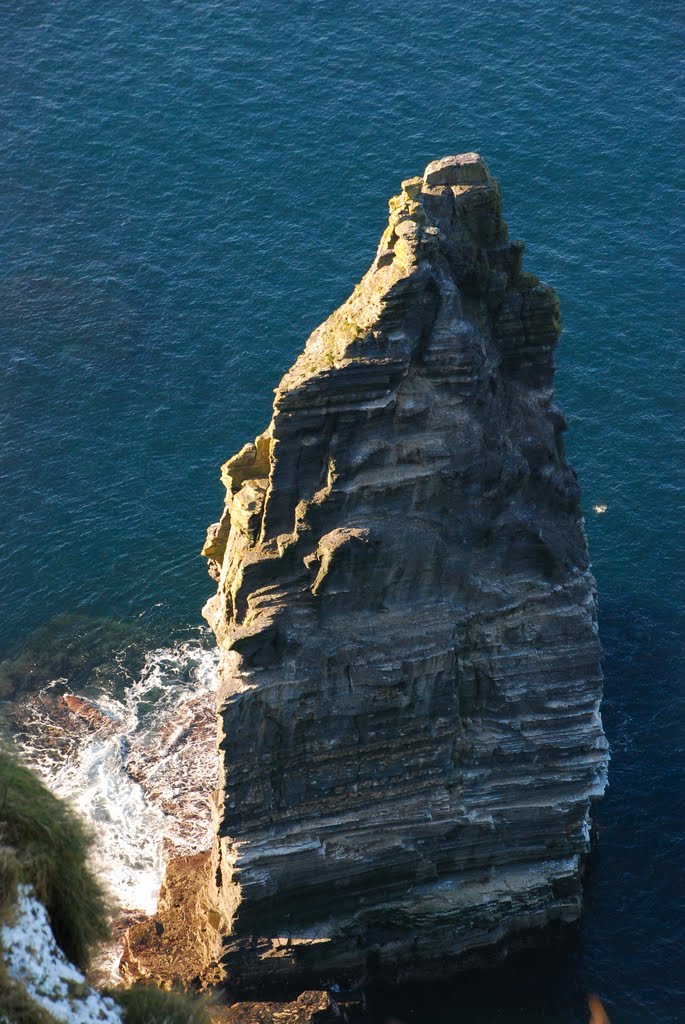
(410, 680)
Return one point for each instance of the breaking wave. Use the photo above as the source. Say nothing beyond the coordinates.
(139, 763)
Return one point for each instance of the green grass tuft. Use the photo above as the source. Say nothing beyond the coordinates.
(16, 1006)
(144, 1004)
(44, 843)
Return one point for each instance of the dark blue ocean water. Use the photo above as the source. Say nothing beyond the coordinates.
(190, 187)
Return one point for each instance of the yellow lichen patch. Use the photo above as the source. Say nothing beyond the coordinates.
(406, 251)
(412, 187)
(405, 237)
(251, 462)
(406, 209)
(386, 239)
(395, 202)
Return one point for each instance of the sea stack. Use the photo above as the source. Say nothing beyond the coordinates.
(409, 705)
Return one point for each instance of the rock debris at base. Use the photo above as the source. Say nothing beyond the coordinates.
(308, 1008)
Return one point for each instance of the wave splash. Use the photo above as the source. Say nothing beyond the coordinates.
(138, 763)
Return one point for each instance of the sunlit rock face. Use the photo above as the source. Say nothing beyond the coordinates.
(410, 678)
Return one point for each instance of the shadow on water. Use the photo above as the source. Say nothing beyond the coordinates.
(77, 649)
(540, 987)
(86, 653)
(100, 321)
(634, 926)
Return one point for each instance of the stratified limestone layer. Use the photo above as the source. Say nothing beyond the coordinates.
(410, 678)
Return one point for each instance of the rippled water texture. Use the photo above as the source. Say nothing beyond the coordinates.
(190, 187)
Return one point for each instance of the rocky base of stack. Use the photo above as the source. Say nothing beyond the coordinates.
(313, 1007)
(178, 947)
(482, 928)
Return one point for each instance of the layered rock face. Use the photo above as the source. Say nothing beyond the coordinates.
(410, 679)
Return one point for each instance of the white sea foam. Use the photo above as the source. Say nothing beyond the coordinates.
(142, 778)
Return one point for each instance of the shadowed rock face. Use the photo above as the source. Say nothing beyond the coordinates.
(409, 705)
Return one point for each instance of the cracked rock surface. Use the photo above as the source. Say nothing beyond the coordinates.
(410, 685)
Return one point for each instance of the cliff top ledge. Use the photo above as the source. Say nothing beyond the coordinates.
(461, 169)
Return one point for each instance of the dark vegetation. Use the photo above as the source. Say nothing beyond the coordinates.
(145, 1004)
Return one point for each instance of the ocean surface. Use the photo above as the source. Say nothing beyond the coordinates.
(188, 189)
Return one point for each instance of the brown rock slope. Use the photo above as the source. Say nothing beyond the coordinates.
(409, 704)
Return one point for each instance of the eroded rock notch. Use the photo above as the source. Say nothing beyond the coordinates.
(410, 678)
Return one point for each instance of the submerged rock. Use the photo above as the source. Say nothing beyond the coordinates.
(410, 667)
